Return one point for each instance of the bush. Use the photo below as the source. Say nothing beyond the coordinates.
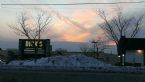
(11, 55)
(137, 64)
(128, 64)
(60, 51)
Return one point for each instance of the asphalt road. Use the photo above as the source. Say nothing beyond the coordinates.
(48, 76)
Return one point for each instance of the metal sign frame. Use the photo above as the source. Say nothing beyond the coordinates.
(28, 47)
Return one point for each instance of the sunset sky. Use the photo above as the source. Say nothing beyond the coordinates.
(77, 23)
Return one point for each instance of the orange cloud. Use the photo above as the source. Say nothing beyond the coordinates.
(76, 38)
(67, 28)
(78, 26)
(85, 17)
(83, 14)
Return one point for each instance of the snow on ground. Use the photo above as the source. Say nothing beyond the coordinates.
(63, 61)
(69, 63)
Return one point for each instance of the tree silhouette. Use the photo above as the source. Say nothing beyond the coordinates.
(31, 26)
(120, 25)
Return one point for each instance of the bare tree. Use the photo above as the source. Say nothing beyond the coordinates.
(98, 47)
(120, 25)
(84, 48)
(31, 27)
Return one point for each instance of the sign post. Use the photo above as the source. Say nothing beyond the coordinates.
(29, 48)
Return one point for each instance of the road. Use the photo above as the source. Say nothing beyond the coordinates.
(48, 76)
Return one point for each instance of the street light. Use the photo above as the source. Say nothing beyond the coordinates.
(95, 43)
(123, 59)
(140, 51)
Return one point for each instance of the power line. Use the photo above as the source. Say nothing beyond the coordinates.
(75, 3)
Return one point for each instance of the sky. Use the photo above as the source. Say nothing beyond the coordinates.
(69, 23)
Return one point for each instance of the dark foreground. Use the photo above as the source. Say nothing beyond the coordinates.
(38, 76)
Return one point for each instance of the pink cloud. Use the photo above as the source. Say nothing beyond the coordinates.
(76, 38)
(75, 27)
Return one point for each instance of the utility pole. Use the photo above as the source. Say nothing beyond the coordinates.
(95, 47)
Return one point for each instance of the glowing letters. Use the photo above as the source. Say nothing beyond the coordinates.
(31, 44)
